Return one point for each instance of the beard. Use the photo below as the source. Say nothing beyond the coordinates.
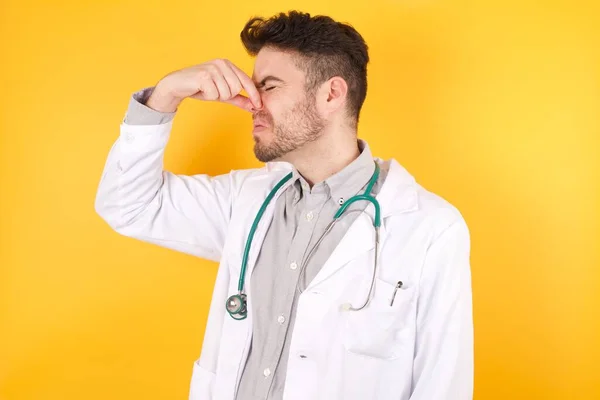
(301, 125)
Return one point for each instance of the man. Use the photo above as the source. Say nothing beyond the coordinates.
(351, 310)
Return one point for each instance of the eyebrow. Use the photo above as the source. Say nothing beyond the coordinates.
(268, 78)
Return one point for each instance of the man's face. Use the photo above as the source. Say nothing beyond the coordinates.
(289, 117)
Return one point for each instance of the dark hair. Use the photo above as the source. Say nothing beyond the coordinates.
(326, 48)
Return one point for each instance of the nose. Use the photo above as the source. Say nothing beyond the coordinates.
(262, 104)
(254, 109)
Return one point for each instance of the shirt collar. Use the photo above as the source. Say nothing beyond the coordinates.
(347, 182)
(350, 180)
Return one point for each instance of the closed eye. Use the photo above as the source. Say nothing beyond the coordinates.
(269, 88)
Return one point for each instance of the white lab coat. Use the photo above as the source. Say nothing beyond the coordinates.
(421, 348)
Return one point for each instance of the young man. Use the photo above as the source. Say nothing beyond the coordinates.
(374, 306)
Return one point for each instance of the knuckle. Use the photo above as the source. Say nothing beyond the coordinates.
(212, 68)
(204, 73)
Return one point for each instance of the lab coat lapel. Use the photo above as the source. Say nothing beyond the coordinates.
(359, 239)
(397, 195)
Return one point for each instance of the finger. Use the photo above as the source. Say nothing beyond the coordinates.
(209, 90)
(220, 82)
(242, 102)
(248, 85)
(231, 78)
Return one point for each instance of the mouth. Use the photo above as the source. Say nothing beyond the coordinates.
(259, 126)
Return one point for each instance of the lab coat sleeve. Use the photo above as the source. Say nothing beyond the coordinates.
(138, 113)
(443, 364)
(139, 199)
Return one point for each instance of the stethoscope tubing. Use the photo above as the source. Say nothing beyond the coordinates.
(236, 305)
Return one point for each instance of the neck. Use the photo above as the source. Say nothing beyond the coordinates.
(324, 157)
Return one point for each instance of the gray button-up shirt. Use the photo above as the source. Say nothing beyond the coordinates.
(301, 216)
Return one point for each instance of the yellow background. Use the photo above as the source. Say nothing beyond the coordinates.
(492, 104)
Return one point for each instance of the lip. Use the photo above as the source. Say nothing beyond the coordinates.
(258, 124)
(258, 128)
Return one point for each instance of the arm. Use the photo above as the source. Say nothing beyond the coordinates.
(139, 199)
(443, 365)
(138, 113)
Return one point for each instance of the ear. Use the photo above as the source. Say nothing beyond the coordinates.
(332, 95)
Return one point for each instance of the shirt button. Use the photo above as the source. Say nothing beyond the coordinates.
(293, 265)
(281, 319)
(267, 372)
(309, 216)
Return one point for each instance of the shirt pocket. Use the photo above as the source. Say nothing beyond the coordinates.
(380, 330)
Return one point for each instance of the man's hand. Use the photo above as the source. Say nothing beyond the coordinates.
(216, 80)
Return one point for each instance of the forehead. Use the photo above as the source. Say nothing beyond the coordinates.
(270, 61)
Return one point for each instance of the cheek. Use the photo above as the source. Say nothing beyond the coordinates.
(278, 110)
(271, 109)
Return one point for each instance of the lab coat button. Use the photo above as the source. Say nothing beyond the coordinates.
(281, 319)
(267, 372)
(293, 265)
(309, 216)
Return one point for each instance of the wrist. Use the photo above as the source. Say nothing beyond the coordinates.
(162, 100)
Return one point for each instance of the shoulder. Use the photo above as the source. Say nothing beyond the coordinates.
(428, 212)
(258, 181)
(434, 205)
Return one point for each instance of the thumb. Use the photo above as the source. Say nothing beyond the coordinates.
(242, 102)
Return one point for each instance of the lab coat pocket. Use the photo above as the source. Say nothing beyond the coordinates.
(202, 384)
(381, 330)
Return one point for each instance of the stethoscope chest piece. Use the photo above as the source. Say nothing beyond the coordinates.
(237, 306)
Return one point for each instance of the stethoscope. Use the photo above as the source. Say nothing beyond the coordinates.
(236, 304)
